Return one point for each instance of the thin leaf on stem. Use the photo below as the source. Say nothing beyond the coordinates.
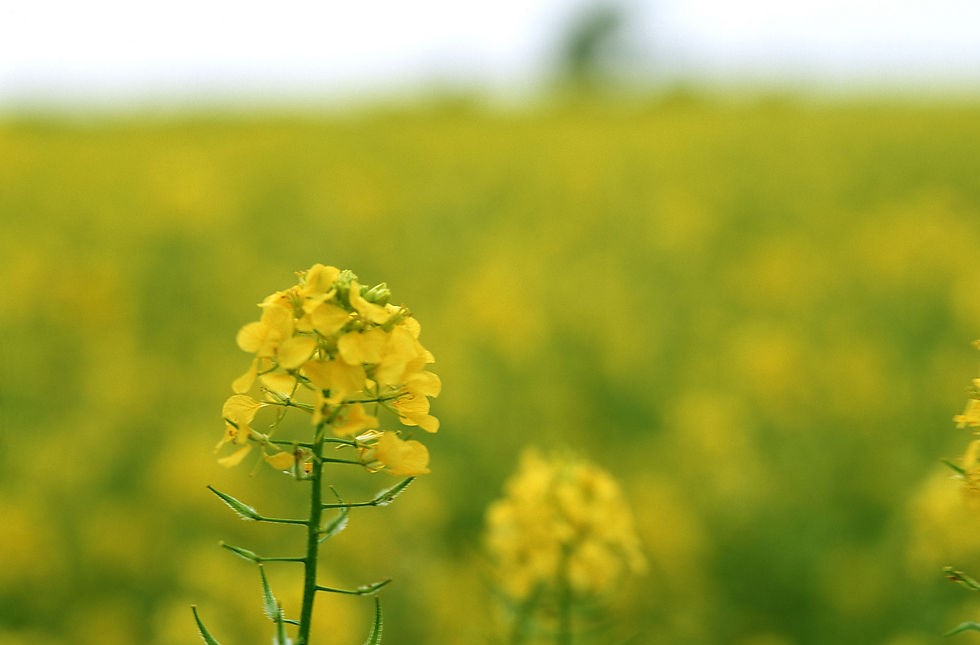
(208, 638)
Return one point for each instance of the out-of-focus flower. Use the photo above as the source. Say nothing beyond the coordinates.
(562, 523)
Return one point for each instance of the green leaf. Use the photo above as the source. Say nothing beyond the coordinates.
(280, 637)
(964, 627)
(961, 578)
(363, 590)
(366, 590)
(338, 523)
(243, 511)
(959, 471)
(374, 638)
(243, 553)
(208, 638)
(388, 495)
(269, 604)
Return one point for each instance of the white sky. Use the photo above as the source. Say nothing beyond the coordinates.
(117, 50)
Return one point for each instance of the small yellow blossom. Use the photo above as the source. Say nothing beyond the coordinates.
(357, 348)
(295, 351)
(401, 457)
(240, 409)
(370, 311)
(281, 460)
(263, 337)
(971, 415)
(353, 421)
(338, 377)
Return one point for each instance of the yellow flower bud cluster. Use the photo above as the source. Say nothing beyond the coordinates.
(342, 352)
(562, 523)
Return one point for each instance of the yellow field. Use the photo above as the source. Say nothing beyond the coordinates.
(756, 317)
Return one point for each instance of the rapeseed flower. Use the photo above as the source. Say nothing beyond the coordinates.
(562, 526)
(343, 353)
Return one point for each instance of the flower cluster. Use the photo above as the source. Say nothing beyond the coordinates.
(563, 524)
(343, 353)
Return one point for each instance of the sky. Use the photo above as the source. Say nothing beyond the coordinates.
(125, 51)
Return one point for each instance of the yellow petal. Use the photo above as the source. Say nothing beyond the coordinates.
(240, 409)
(295, 351)
(398, 352)
(318, 372)
(250, 337)
(373, 312)
(412, 326)
(243, 383)
(365, 347)
(236, 457)
(281, 460)
(354, 422)
(406, 458)
(424, 383)
(337, 376)
(279, 382)
(319, 279)
(328, 318)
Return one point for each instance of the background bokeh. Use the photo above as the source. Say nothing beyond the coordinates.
(757, 317)
(755, 310)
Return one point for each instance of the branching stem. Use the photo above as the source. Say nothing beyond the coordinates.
(312, 544)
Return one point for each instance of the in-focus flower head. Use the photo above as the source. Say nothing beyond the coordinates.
(561, 521)
(340, 351)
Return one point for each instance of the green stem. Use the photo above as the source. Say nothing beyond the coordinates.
(312, 545)
(564, 634)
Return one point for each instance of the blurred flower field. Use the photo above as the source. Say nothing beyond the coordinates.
(756, 317)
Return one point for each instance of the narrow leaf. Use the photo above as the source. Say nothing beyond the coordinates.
(281, 638)
(336, 525)
(961, 578)
(208, 638)
(374, 638)
(964, 627)
(269, 604)
(243, 553)
(365, 590)
(959, 471)
(388, 495)
(243, 511)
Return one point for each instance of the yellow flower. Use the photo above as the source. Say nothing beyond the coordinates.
(353, 421)
(328, 318)
(400, 457)
(971, 415)
(243, 383)
(971, 474)
(341, 379)
(368, 310)
(318, 280)
(279, 382)
(240, 410)
(357, 348)
(413, 406)
(295, 351)
(281, 460)
(561, 519)
(325, 340)
(400, 350)
(263, 337)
